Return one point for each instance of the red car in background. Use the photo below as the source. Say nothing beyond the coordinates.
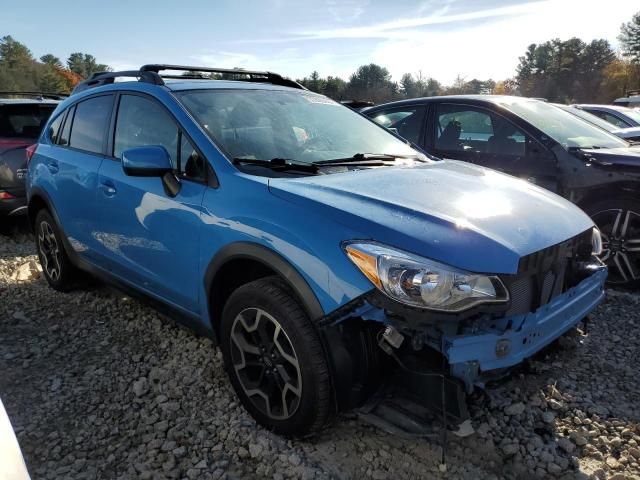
(22, 116)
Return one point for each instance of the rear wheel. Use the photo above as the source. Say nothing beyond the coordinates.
(275, 360)
(56, 266)
(619, 224)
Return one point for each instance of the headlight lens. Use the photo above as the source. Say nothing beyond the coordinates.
(596, 242)
(420, 282)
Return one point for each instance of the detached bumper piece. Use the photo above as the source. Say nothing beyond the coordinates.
(471, 356)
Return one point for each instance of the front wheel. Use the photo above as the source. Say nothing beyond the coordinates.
(275, 360)
(619, 224)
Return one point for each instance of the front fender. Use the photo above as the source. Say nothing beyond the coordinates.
(272, 260)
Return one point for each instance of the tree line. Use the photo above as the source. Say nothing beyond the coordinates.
(560, 71)
(21, 72)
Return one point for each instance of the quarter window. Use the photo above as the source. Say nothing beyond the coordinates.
(142, 122)
(66, 129)
(406, 122)
(90, 122)
(54, 128)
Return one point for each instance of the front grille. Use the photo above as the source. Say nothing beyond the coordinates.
(545, 274)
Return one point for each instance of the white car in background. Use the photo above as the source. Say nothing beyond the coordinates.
(630, 134)
(12, 466)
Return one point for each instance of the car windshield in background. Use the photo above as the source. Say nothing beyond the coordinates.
(633, 114)
(597, 121)
(303, 127)
(23, 120)
(563, 127)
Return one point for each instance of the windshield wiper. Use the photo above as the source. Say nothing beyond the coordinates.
(278, 164)
(369, 159)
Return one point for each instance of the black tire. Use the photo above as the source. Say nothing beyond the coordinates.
(619, 222)
(57, 269)
(291, 414)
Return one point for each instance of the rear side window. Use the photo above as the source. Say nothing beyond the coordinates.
(54, 128)
(23, 121)
(90, 123)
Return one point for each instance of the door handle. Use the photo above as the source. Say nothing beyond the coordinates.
(53, 167)
(108, 189)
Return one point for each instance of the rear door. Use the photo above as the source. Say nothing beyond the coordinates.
(20, 126)
(71, 159)
(485, 137)
(151, 237)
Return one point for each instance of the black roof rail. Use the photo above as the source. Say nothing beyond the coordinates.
(38, 95)
(253, 75)
(104, 78)
(151, 74)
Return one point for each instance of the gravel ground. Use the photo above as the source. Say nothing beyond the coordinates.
(98, 385)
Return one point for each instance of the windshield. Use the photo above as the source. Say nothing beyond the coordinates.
(597, 121)
(632, 113)
(565, 128)
(301, 126)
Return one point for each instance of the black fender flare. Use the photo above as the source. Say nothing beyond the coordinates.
(272, 260)
(41, 193)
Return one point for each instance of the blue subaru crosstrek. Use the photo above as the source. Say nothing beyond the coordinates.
(331, 261)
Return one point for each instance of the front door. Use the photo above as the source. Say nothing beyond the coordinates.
(152, 237)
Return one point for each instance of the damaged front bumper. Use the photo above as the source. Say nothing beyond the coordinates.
(472, 356)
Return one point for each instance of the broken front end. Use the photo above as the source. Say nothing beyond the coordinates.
(475, 328)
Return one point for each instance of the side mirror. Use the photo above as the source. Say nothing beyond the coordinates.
(148, 161)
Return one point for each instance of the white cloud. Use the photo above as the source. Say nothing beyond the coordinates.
(491, 49)
(346, 10)
(439, 17)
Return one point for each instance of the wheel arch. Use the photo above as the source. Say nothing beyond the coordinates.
(39, 199)
(256, 261)
(610, 190)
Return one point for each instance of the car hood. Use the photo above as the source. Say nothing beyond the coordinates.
(614, 158)
(454, 212)
(630, 132)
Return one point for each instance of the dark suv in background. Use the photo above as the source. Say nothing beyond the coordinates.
(543, 144)
(22, 116)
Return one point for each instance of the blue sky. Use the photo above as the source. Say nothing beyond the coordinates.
(442, 39)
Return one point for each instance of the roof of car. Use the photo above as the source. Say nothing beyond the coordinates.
(618, 108)
(177, 85)
(496, 99)
(27, 101)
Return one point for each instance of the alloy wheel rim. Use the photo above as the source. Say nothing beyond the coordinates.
(266, 363)
(620, 230)
(49, 251)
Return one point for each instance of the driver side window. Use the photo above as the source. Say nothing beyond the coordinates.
(142, 122)
(462, 129)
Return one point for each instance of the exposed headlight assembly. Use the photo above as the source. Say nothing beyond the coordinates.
(424, 283)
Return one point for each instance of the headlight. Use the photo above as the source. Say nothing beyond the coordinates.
(421, 282)
(596, 242)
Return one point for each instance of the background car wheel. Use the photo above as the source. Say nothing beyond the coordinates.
(56, 266)
(275, 360)
(619, 223)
